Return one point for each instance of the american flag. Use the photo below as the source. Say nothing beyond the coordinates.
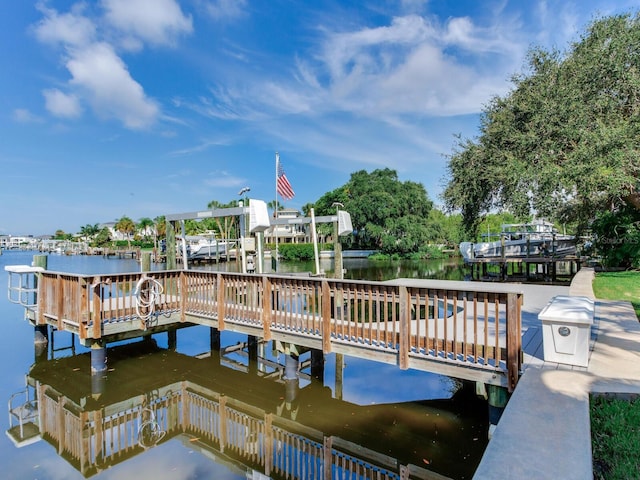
(283, 187)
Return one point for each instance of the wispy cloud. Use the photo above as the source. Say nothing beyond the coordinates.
(224, 179)
(225, 9)
(201, 147)
(22, 115)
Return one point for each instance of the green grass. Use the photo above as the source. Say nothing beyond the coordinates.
(619, 286)
(615, 438)
(615, 423)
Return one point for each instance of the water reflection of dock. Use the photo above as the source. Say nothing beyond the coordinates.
(257, 419)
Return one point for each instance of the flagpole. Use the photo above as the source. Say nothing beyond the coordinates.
(275, 212)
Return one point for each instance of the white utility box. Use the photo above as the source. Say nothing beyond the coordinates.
(566, 329)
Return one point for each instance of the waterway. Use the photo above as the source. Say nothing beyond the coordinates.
(374, 415)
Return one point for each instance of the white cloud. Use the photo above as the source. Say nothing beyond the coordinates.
(66, 29)
(99, 76)
(224, 179)
(225, 9)
(110, 89)
(22, 115)
(158, 22)
(61, 104)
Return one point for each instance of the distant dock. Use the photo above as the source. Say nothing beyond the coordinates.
(545, 269)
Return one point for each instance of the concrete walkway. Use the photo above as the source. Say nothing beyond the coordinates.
(544, 432)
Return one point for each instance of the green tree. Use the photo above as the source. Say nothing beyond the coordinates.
(127, 227)
(271, 204)
(89, 231)
(306, 209)
(616, 237)
(144, 226)
(160, 226)
(226, 226)
(102, 238)
(386, 214)
(564, 142)
(61, 235)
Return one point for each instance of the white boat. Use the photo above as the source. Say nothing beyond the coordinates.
(538, 238)
(203, 247)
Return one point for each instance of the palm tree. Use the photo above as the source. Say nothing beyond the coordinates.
(272, 205)
(88, 232)
(126, 226)
(160, 224)
(144, 224)
(306, 209)
(229, 222)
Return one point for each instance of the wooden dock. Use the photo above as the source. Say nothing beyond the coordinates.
(544, 269)
(461, 329)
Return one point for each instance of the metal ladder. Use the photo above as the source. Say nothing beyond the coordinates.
(23, 284)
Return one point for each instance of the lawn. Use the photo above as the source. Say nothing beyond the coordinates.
(615, 422)
(615, 438)
(619, 286)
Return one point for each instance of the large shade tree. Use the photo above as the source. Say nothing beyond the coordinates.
(565, 142)
(386, 214)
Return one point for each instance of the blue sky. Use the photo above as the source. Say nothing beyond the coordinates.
(151, 107)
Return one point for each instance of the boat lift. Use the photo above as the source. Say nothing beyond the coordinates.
(259, 221)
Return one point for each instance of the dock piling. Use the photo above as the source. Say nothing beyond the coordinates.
(98, 357)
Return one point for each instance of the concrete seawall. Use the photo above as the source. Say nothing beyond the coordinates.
(544, 432)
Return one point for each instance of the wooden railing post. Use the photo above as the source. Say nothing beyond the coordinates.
(43, 286)
(326, 317)
(221, 300)
(327, 453)
(266, 307)
(60, 300)
(222, 402)
(183, 295)
(405, 473)
(85, 307)
(405, 328)
(514, 341)
(96, 314)
(268, 443)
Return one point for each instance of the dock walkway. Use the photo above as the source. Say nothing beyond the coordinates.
(544, 432)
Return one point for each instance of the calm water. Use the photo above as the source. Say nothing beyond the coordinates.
(377, 411)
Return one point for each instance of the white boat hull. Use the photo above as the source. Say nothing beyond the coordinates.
(518, 248)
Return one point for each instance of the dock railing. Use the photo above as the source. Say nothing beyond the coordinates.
(464, 327)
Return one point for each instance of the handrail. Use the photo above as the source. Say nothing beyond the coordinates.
(443, 322)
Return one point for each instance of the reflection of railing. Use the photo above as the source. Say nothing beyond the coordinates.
(281, 448)
(443, 323)
(23, 409)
